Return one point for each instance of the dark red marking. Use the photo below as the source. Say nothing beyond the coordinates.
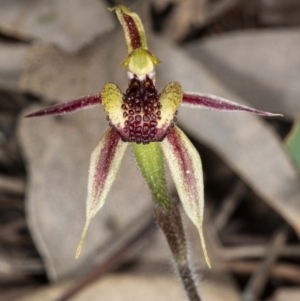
(69, 106)
(184, 161)
(133, 32)
(105, 159)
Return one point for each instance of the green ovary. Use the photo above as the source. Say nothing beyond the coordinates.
(150, 161)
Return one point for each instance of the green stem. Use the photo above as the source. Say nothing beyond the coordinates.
(150, 161)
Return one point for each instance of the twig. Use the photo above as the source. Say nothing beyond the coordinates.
(113, 261)
(280, 271)
(259, 278)
(243, 252)
(11, 232)
(19, 267)
(219, 8)
(229, 204)
(12, 226)
(12, 184)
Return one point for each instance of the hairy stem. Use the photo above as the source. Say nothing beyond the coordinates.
(171, 223)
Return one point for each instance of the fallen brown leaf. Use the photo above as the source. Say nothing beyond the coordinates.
(262, 67)
(69, 24)
(191, 13)
(11, 62)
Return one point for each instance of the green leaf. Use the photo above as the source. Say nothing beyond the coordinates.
(293, 143)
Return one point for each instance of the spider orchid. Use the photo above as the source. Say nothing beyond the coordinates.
(145, 119)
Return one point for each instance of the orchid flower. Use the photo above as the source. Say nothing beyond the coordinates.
(145, 119)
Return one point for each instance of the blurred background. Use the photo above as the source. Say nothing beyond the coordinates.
(53, 51)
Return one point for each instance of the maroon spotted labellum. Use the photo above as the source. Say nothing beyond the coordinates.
(141, 113)
(141, 109)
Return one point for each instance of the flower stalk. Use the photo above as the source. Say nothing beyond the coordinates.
(171, 224)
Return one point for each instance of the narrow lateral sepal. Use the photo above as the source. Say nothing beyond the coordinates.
(72, 106)
(104, 165)
(197, 100)
(149, 158)
(133, 27)
(186, 170)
